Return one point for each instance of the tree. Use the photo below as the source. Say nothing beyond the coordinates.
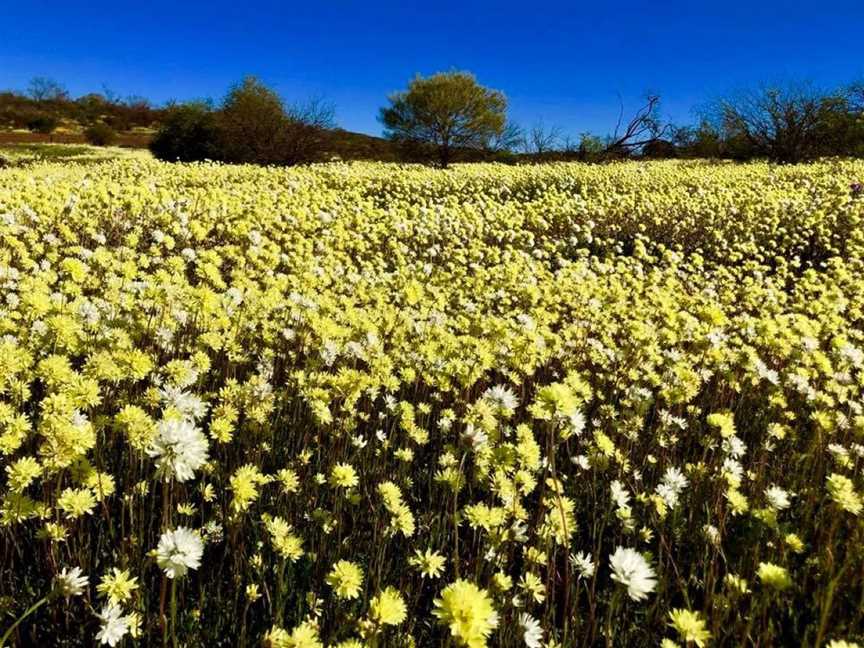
(256, 127)
(590, 147)
(306, 130)
(91, 107)
(251, 123)
(841, 127)
(45, 89)
(446, 112)
(643, 128)
(702, 141)
(188, 133)
(542, 140)
(783, 123)
(252, 126)
(138, 110)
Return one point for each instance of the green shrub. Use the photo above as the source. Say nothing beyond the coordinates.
(188, 134)
(100, 135)
(43, 123)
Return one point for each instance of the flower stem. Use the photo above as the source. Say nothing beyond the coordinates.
(29, 611)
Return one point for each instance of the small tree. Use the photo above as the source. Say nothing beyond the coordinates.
(306, 128)
(45, 89)
(447, 111)
(251, 124)
(43, 123)
(590, 147)
(642, 129)
(100, 135)
(502, 146)
(541, 140)
(91, 107)
(256, 127)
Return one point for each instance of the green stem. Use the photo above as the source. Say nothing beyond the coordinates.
(30, 611)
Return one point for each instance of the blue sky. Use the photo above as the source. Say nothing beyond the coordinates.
(563, 62)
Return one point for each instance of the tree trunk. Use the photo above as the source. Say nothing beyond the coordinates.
(444, 155)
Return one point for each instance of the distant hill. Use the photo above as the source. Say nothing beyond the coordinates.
(341, 143)
(348, 145)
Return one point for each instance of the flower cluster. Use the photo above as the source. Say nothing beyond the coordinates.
(371, 405)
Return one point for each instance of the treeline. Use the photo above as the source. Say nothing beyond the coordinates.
(47, 105)
(449, 117)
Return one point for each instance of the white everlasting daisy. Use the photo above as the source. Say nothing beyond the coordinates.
(179, 551)
(533, 633)
(581, 461)
(777, 497)
(632, 570)
(502, 397)
(189, 405)
(583, 564)
(733, 470)
(114, 625)
(577, 423)
(619, 494)
(734, 447)
(71, 583)
(180, 448)
(673, 484)
(475, 437)
(712, 533)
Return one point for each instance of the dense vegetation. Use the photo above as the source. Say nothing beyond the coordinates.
(443, 118)
(369, 405)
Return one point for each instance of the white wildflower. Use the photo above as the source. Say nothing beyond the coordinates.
(777, 498)
(114, 625)
(70, 582)
(502, 397)
(583, 564)
(180, 449)
(632, 570)
(533, 633)
(179, 551)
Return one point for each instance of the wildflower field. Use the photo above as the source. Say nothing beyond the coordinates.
(375, 405)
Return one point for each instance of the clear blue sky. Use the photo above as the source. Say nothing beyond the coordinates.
(564, 62)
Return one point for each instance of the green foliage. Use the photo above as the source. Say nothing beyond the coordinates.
(43, 123)
(252, 124)
(100, 135)
(445, 112)
(188, 133)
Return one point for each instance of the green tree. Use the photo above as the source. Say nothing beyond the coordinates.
(255, 126)
(251, 124)
(446, 112)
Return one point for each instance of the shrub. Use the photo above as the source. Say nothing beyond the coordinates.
(252, 126)
(100, 135)
(43, 123)
(188, 134)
